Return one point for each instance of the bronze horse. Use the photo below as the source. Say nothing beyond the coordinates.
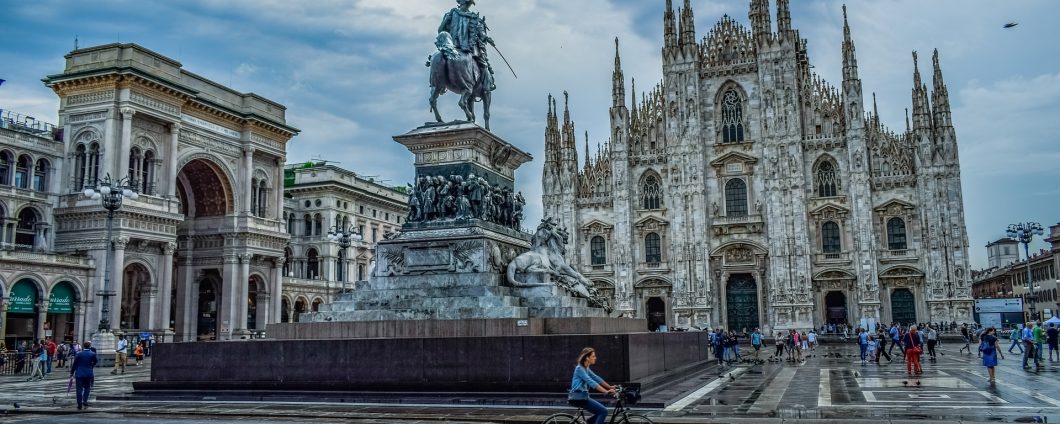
(459, 72)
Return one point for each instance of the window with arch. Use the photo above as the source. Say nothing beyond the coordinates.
(735, 197)
(652, 249)
(340, 266)
(147, 173)
(7, 160)
(731, 117)
(136, 158)
(80, 165)
(288, 260)
(22, 170)
(896, 239)
(598, 251)
(651, 193)
(263, 198)
(26, 230)
(40, 175)
(827, 180)
(360, 272)
(312, 265)
(92, 171)
(830, 242)
(318, 224)
(308, 225)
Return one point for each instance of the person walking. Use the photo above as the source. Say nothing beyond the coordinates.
(913, 349)
(812, 339)
(967, 336)
(1017, 340)
(932, 341)
(583, 380)
(780, 346)
(988, 346)
(1028, 346)
(61, 354)
(1039, 340)
(138, 352)
(122, 355)
(82, 370)
(881, 341)
(52, 349)
(863, 342)
(1051, 339)
(39, 354)
(756, 343)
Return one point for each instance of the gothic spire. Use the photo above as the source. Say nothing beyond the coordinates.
(688, 25)
(634, 114)
(587, 149)
(850, 59)
(940, 95)
(783, 16)
(875, 110)
(921, 106)
(618, 81)
(669, 27)
(761, 25)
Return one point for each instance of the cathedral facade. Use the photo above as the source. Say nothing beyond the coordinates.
(744, 191)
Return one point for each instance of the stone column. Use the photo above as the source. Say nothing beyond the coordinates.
(165, 298)
(117, 280)
(3, 315)
(126, 143)
(227, 309)
(42, 316)
(171, 168)
(276, 290)
(278, 192)
(107, 148)
(243, 292)
(248, 177)
(184, 318)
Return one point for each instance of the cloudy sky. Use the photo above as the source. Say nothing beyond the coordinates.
(351, 72)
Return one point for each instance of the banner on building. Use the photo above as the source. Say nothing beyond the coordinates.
(61, 300)
(23, 298)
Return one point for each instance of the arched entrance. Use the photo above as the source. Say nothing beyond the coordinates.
(209, 298)
(300, 307)
(22, 313)
(61, 302)
(835, 303)
(903, 306)
(252, 301)
(204, 191)
(135, 307)
(285, 310)
(656, 312)
(741, 303)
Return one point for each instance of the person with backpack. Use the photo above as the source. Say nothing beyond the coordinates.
(988, 347)
(756, 342)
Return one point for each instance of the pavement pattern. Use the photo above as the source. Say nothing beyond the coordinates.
(831, 385)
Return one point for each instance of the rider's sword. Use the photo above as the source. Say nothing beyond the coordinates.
(504, 59)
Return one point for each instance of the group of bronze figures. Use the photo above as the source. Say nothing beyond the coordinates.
(438, 198)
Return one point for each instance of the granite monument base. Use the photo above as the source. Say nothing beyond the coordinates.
(441, 364)
(452, 328)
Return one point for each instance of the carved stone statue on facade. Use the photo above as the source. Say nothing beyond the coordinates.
(461, 64)
(547, 247)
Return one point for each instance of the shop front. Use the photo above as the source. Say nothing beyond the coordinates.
(60, 323)
(21, 317)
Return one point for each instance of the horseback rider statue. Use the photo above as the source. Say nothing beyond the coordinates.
(461, 64)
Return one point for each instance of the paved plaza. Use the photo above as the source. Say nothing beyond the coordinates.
(831, 386)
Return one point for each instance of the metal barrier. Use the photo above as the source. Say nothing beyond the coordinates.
(15, 364)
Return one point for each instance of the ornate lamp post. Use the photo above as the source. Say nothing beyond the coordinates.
(345, 236)
(111, 193)
(1024, 232)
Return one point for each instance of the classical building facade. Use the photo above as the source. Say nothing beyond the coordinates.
(1006, 276)
(320, 199)
(743, 190)
(199, 253)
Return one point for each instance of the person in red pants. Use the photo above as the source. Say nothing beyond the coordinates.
(913, 349)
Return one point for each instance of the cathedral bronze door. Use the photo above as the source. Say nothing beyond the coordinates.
(741, 300)
(903, 307)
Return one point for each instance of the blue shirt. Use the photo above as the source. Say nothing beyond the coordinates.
(83, 364)
(1028, 334)
(584, 378)
(863, 338)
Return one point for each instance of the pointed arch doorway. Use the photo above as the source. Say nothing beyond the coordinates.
(741, 298)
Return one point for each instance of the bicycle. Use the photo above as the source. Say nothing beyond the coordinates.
(621, 415)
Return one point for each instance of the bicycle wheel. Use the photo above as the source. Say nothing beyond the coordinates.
(560, 419)
(634, 419)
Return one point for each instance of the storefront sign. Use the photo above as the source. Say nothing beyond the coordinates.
(23, 298)
(61, 300)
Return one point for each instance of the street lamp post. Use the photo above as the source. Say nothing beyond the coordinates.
(111, 193)
(1024, 232)
(345, 236)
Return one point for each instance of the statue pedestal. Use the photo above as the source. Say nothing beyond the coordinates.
(462, 149)
(104, 343)
(553, 301)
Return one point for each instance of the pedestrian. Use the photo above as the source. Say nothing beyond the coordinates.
(873, 354)
(756, 342)
(780, 346)
(1017, 340)
(1051, 339)
(82, 370)
(3, 354)
(52, 349)
(138, 352)
(60, 355)
(967, 336)
(39, 354)
(735, 345)
(932, 341)
(1028, 346)
(20, 356)
(121, 355)
(719, 346)
(863, 342)
(1039, 340)
(881, 341)
(913, 349)
(988, 346)
(812, 338)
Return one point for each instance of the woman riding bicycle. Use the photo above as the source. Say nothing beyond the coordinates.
(583, 380)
